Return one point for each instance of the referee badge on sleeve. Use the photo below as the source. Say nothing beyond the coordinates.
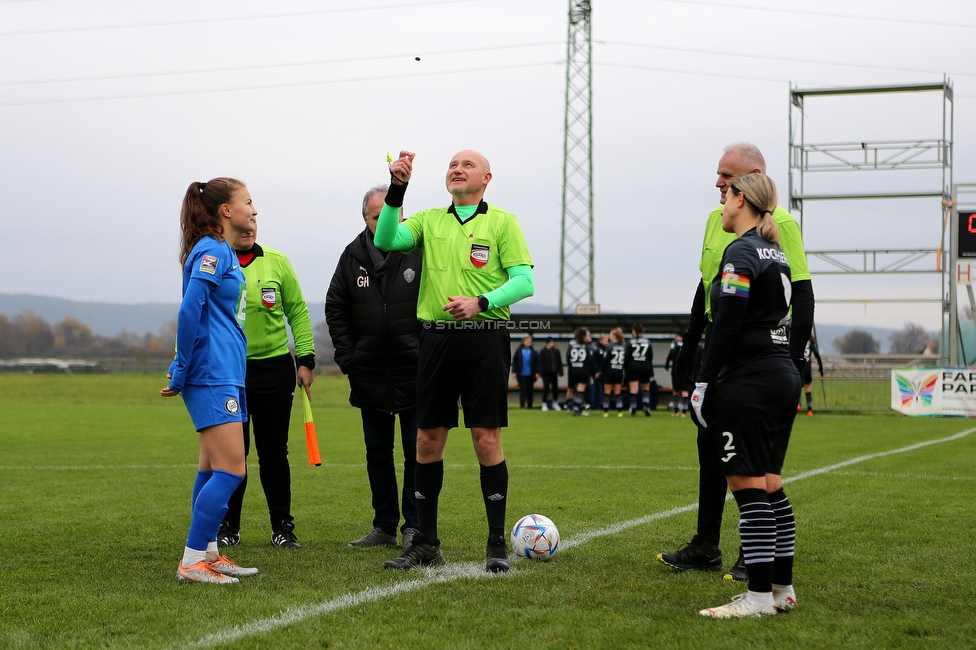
(479, 254)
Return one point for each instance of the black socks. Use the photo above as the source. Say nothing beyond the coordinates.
(428, 479)
(494, 489)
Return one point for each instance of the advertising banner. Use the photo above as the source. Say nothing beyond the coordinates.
(926, 392)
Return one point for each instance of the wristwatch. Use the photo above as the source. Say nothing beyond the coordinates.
(483, 303)
(308, 361)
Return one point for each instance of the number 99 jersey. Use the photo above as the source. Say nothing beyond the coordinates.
(580, 361)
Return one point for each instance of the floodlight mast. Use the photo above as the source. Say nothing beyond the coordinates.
(576, 247)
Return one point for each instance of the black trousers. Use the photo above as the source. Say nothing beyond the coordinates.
(550, 381)
(379, 433)
(526, 388)
(269, 415)
(712, 485)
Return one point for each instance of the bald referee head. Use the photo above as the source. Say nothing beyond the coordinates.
(738, 159)
(468, 176)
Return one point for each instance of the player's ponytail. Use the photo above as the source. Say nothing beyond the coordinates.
(199, 216)
(617, 335)
(761, 197)
(580, 335)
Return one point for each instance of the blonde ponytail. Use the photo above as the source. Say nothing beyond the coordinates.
(761, 197)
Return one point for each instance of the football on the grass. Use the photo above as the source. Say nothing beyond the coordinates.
(535, 537)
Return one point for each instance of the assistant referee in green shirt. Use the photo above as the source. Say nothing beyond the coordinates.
(476, 264)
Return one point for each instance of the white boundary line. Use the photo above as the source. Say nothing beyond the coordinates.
(39, 468)
(474, 570)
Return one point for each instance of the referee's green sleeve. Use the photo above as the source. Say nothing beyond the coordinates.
(520, 285)
(296, 309)
(391, 235)
(791, 242)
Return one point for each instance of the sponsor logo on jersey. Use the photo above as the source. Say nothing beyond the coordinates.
(409, 275)
(728, 268)
(208, 264)
(780, 335)
(231, 406)
(734, 284)
(772, 254)
(479, 254)
(268, 297)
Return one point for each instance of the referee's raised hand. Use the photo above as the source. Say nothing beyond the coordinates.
(402, 168)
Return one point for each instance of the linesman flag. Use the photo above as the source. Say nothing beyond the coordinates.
(311, 440)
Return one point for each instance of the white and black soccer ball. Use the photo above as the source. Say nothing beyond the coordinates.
(535, 537)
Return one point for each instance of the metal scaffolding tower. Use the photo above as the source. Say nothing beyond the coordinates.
(576, 248)
(888, 155)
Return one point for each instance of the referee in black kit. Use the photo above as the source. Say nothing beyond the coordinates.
(476, 264)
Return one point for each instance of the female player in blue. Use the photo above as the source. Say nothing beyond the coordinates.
(210, 363)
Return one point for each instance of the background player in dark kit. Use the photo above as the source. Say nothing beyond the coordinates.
(679, 383)
(639, 371)
(613, 372)
(810, 349)
(580, 361)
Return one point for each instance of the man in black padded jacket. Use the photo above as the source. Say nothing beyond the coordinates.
(371, 311)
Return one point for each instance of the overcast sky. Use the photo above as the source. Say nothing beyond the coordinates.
(108, 110)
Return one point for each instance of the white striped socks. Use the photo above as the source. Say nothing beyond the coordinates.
(757, 528)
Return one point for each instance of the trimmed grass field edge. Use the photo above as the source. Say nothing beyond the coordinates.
(474, 570)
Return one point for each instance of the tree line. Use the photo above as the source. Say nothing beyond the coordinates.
(30, 336)
(911, 339)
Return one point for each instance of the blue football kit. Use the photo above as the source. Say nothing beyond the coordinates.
(211, 351)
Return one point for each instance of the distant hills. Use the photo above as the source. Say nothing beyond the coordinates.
(109, 319)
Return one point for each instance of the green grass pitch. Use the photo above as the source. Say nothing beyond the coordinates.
(94, 509)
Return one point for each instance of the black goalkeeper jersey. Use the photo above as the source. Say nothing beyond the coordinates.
(750, 299)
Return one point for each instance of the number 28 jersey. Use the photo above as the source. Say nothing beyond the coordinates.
(616, 356)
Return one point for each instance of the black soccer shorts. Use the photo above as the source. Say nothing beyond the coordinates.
(467, 364)
(640, 375)
(751, 419)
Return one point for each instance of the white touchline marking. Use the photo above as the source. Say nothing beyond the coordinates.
(454, 572)
(449, 573)
(920, 477)
(459, 466)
